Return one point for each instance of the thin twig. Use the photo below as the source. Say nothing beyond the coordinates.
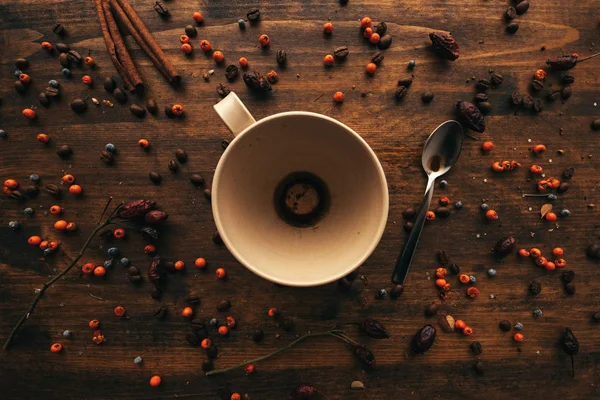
(588, 57)
(471, 136)
(39, 294)
(96, 297)
(104, 211)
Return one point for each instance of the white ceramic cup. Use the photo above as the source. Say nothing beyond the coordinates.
(253, 165)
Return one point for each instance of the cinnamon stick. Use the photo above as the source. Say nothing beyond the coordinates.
(120, 14)
(110, 46)
(122, 53)
(150, 41)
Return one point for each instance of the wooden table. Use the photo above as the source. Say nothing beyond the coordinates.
(532, 369)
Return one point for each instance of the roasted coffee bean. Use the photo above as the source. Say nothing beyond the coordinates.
(253, 15)
(476, 348)
(401, 92)
(505, 325)
(341, 52)
(258, 335)
(207, 194)
(156, 293)
(169, 111)
(537, 85)
(78, 105)
(432, 309)
(483, 85)
(423, 339)
(222, 90)
(31, 191)
(563, 187)
(427, 97)
(191, 31)
(64, 151)
(192, 298)
(497, 79)
(568, 173)
(522, 7)
(443, 257)
(120, 95)
(442, 212)
(596, 317)
(223, 305)
(478, 367)
(59, 30)
(512, 27)
(216, 238)
(161, 8)
(17, 195)
(107, 157)
(192, 339)
(21, 63)
(231, 72)
(281, 57)
(511, 13)
(137, 110)
(568, 275)
(385, 41)
(197, 180)
(516, 98)
(481, 97)
(173, 167)
(535, 288)
(406, 82)
(181, 155)
(484, 107)
(570, 288)
(566, 92)
(255, 81)
(527, 101)
(51, 91)
(52, 190)
(62, 48)
(409, 214)
(377, 58)
(74, 57)
(212, 352)
(567, 79)
(151, 106)
(538, 106)
(380, 28)
(135, 278)
(408, 226)
(43, 99)
(109, 84)
(64, 60)
(160, 312)
(553, 95)
(155, 177)
(133, 270)
(593, 250)
(396, 291)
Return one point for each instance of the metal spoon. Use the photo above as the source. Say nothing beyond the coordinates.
(440, 153)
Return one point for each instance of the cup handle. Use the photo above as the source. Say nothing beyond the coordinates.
(234, 113)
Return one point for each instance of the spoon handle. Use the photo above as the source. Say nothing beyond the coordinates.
(405, 258)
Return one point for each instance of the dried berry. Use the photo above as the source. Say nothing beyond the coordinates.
(365, 356)
(470, 115)
(135, 208)
(231, 72)
(401, 92)
(535, 288)
(505, 246)
(562, 63)
(444, 45)
(570, 345)
(476, 348)
(256, 81)
(155, 217)
(303, 392)
(154, 272)
(423, 339)
(505, 325)
(374, 329)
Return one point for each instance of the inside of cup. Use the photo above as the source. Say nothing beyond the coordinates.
(249, 174)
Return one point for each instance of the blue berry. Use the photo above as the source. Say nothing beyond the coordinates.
(552, 197)
(472, 278)
(484, 207)
(565, 213)
(67, 333)
(34, 178)
(113, 252)
(47, 252)
(381, 293)
(491, 272)
(459, 205)
(28, 211)
(54, 83)
(443, 184)
(124, 261)
(412, 64)
(14, 225)
(138, 360)
(66, 72)
(242, 24)
(110, 148)
(519, 326)
(18, 72)
(213, 322)
(537, 313)
(3, 134)
(108, 264)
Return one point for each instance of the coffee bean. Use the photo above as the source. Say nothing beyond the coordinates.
(78, 105)
(222, 90)
(52, 190)
(155, 177)
(31, 191)
(570, 288)
(442, 212)
(133, 270)
(59, 30)
(135, 278)
(409, 214)
(483, 85)
(212, 352)
(21, 63)
(223, 305)
(427, 97)
(553, 95)
(505, 325)
(538, 106)
(156, 293)
(169, 111)
(151, 106)
(216, 238)
(408, 226)
(137, 110)
(20, 87)
(253, 15)
(62, 48)
(596, 125)
(197, 323)
(432, 309)
(173, 167)
(484, 107)
(476, 348)
(341, 52)
(400, 92)
(567, 79)
(109, 84)
(191, 31)
(107, 157)
(281, 57)
(120, 95)
(478, 367)
(207, 194)
(454, 268)
(181, 156)
(17, 195)
(192, 339)
(563, 187)
(74, 57)
(535, 288)
(385, 41)
(197, 179)
(51, 91)
(513, 27)
(160, 312)
(496, 79)
(64, 151)
(406, 82)
(481, 97)
(161, 8)
(380, 28)
(566, 92)
(537, 85)
(64, 60)
(511, 13)
(377, 59)
(43, 99)
(258, 335)
(522, 7)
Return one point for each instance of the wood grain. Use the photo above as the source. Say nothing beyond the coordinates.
(395, 131)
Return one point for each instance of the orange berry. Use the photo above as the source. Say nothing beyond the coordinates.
(328, 59)
(93, 324)
(441, 273)
(535, 169)
(367, 33)
(56, 347)
(89, 61)
(187, 312)
(44, 245)
(177, 110)
(447, 287)
(553, 183)
(487, 146)
(55, 210)
(29, 113)
(218, 56)
(150, 249)
(557, 251)
(365, 22)
(230, 321)
(551, 217)
(374, 38)
(243, 62)
(328, 27)
(491, 215)
(119, 233)
(206, 47)
(464, 278)
(430, 216)
(467, 331)
(119, 311)
(541, 261)
(155, 381)
(200, 262)
(75, 189)
(444, 200)
(60, 225)
(539, 149)
(197, 17)
(535, 252)
(221, 273)
(205, 344)
(71, 227)
(273, 312)
(68, 178)
(524, 253)
(186, 48)
(250, 369)
(87, 80)
(497, 166)
(472, 292)
(235, 396)
(223, 330)
(34, 240)
(440, 283)
(264, 40)
(88, 268)
(47, 46)
(11, 184)
(371, 68)
(99, 271)
(338, 97)
(460, 324)
(179, 265)
(550, 266)
(540, 75)
(24, 78)
(52, 245)
(144, 143)
(184, 39)
(518, 337)
(43, 138)
(560, 263)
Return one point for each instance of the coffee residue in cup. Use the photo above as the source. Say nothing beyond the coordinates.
(301, 199)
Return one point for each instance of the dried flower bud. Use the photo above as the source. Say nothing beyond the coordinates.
(423, 339)
(154, 272)
(135, 208)
(562, 63)
(374, 329)
(149, 233)
(444, 45)
(156, 217)
(365, 356)
(303, 392)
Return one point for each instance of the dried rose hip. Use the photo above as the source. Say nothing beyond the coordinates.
(505, 246)
(135, 208)
(562, 63)
(444, 45)
(470, 115)
(423, 339)
(374, 329)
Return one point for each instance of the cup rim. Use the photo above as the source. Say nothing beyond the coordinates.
(368, 250)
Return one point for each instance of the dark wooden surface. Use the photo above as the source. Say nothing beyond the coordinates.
(533, 369)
